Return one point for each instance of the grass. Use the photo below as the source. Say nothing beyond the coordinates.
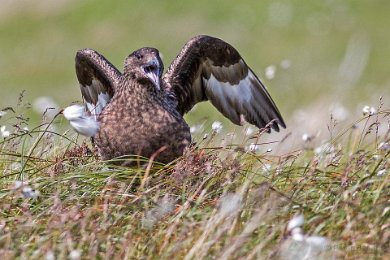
(39, 42)
(227, 197)
(220, 200)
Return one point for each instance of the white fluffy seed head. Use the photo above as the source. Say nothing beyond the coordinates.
(270, 72)
(81, 122)
(85, 126)
(217, 126)
(74, 112)
(254, 147)
(4, 133)
(75, 254)
(318, 241)
(295, 222)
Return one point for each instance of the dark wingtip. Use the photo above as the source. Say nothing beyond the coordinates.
(275, 127)
(276, 124)
(281, 123)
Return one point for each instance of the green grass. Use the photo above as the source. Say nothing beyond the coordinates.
(219, 200)
(39, 42)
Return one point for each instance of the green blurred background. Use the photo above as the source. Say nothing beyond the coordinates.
(315, 57)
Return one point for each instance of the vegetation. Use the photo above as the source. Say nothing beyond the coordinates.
(335, 51)
(319, 189)
(224, 198)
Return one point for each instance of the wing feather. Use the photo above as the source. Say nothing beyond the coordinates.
(208, 68)
(98, 80)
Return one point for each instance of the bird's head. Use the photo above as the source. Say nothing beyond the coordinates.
(145, 63)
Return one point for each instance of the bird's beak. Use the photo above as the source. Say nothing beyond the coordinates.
(155, 78)
(152, 70)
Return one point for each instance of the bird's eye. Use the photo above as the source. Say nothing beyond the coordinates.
(138, 56)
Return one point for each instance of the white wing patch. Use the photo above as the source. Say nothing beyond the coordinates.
(233, 100)
(240, 92)
(103, 98)
(81, 122)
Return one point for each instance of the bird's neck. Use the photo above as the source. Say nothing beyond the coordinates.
(132, 86)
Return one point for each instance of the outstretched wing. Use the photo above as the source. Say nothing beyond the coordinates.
(98, 80)
(208, 68)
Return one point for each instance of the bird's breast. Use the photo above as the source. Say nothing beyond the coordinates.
(141, 127)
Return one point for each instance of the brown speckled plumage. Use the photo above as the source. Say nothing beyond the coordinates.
(140, 111)
(140, 120)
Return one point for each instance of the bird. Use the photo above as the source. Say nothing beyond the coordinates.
(140, 111)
